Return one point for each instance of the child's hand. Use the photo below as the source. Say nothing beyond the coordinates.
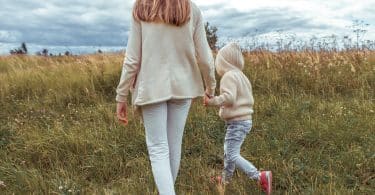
(206, 98)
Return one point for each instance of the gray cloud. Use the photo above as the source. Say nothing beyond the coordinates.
(106, 23)
(239, 24)
(234, 23)
(68, 22)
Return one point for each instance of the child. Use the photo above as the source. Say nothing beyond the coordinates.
(236, 107)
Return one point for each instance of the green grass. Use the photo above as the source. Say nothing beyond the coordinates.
(314, 126)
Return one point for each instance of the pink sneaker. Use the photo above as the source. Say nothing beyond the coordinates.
(265, 181)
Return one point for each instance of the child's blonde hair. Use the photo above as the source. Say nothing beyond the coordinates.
(175, 12)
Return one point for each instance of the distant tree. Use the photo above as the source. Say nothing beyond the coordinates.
(16, 52)
(19, 51)
(67, 53)
(45, 52)
(38, 53)
(24, 48)
(211, 33)
(100, 51)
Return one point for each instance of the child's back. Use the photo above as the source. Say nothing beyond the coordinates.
(236, 99)
(241, 108)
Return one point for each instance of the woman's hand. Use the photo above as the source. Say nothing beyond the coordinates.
(121, 111)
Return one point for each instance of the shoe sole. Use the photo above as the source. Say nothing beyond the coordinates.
(269, 180)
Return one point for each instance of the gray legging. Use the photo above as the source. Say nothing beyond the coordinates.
(234, 137)
(164, 123)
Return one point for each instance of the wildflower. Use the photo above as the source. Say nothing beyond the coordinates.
(60, 187)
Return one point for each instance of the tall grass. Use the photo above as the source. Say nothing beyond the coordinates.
(314, 127)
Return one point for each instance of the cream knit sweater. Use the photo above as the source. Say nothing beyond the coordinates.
(236, 98)
(167, 62)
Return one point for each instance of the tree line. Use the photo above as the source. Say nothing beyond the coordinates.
(44, 52)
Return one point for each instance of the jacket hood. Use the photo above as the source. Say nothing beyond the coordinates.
(229, 58)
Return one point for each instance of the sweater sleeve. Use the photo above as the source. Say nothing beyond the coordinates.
(204, 55)
(132, 61)
(228, 92)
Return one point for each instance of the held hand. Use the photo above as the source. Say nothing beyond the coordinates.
(121, 111)
(208, 93)
(206, 98)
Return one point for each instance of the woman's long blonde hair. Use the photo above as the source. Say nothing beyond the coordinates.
(174, 12)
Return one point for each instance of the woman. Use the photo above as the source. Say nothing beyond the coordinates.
(166, 58)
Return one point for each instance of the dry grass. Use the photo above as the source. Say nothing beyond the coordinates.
(314, 127)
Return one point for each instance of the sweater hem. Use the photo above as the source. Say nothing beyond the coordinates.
(166, 99)
(242, 118)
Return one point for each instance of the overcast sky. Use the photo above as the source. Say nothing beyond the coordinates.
(106, 22)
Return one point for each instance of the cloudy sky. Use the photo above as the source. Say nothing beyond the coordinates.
(105, 23)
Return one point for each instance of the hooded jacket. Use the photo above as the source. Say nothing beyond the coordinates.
(236, 98)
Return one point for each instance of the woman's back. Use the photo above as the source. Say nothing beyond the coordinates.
(169, 60)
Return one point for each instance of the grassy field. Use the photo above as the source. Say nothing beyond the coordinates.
(314, 127)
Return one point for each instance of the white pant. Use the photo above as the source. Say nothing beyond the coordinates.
(164, 123)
